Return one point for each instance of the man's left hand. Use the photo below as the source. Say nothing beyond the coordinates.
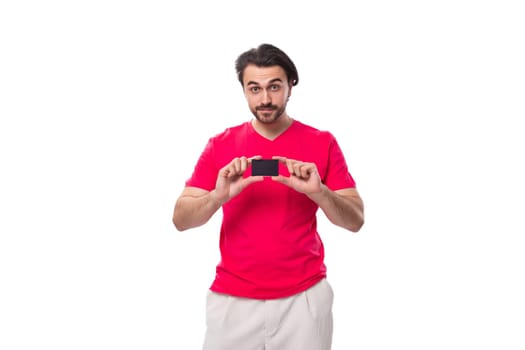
(303, 178)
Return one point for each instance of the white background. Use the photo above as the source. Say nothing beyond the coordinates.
(106, 105)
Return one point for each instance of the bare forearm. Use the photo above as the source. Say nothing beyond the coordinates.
(343, 211)
(192, 211)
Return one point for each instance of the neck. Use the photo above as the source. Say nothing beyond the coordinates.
(271, 131)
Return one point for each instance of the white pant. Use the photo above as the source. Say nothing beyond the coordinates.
(300, 322)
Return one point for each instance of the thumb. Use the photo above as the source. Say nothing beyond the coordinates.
(251, 179)
(282, 179)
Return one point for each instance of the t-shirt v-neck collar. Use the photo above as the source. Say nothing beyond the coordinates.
(252, 127)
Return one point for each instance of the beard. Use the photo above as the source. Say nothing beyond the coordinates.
(268, 114)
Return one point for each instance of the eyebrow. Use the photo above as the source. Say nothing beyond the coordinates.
(270, 82)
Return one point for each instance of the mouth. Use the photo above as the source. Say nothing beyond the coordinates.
(266, 108)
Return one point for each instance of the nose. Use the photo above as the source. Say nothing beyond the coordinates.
(265, 97)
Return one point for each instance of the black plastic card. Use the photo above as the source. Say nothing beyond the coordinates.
(265, 167)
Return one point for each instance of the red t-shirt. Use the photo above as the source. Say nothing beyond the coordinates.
(269, 244)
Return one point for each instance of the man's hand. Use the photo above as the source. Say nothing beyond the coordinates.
(304, 177)
(230, 180)
(343, 207)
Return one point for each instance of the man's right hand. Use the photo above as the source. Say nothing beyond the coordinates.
(230, 180)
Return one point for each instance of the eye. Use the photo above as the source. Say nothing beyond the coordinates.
(255, 89)
(275, 87)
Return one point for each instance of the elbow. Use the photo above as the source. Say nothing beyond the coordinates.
(178, 227)
(350, 225)
(356, 226)
(178, 224)
(178, 219)
(359, 220)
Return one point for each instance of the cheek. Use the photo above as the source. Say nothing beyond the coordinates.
(281, 99)
(252, 101)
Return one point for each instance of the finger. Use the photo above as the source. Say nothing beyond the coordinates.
(282, 179)
(232, 169)
(305, 170)
(290, 165)
(229, 171)
(297, 169)
(243, 164)
(280, 159)
(251, 179)
(254, 157)
(238, 165)
(223, 174)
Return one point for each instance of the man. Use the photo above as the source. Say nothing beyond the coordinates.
(270, 290)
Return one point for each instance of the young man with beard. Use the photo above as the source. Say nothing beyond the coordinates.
(270, 290)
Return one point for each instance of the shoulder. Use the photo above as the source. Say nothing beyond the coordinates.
(308, 131)
(231, 132)
(227, 137)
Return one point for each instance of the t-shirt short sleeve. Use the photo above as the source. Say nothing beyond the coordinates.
(205, 172)
(337, 176)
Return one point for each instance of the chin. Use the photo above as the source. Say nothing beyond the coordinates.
(267, 120)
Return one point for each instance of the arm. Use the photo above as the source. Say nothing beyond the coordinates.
(343, 208)
(196, 206)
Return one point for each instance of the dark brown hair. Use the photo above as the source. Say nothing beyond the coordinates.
(267, 55)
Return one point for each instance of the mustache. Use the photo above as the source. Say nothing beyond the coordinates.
(267, 106)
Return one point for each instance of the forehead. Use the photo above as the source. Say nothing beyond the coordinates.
(263, 75)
